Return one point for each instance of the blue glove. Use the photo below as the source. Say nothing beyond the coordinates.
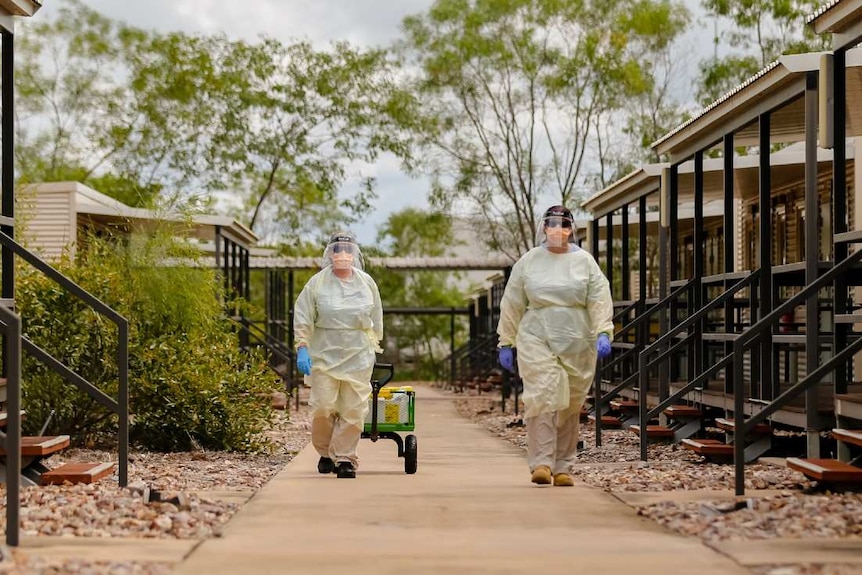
(507, 359)
(603, 346)
(303, 361)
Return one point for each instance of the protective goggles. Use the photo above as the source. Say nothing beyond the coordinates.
(342, 248)
(558, 222)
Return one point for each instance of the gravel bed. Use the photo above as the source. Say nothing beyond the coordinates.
(105, 510)
(183, 509)
(796, 512)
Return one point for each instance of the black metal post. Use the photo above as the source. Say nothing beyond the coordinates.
(697, 294)
(839, 206)
(767, 385)
(12, 363)
(7, 178)
(812, 259)
(730, 385)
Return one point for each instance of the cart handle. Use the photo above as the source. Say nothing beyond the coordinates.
(376, 386)
(389, 368)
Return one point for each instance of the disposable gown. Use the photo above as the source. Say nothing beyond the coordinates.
(553, 308)
(341, 322)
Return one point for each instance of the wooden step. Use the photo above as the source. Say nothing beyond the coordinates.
(829, 470)
(585, 413)
(35, 446)
(708, 447)
(654, 431)
(608, 421)
(77, 473)
(4, 417)
(730, 425)
(717, 336)
(624, 404)
(852, 436)
(682, 411)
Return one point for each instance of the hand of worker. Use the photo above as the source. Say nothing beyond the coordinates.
(303, 361)
(507, 358)
(603, 346)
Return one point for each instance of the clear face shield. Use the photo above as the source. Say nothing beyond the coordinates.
(342, 253)
(555, 231)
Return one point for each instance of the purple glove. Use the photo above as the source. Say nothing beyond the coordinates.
(507, 359)
(603, 346)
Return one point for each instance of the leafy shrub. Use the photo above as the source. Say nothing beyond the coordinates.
(190, 384)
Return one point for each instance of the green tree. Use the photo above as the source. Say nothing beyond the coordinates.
(415, 233)
(759, 31)
(624, 144)
(513, 91)
(67, 68)
(278, 129)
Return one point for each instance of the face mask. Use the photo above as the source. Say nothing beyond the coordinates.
(342, 260)
(557, 237)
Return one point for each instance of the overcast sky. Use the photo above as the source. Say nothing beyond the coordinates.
(361, 22)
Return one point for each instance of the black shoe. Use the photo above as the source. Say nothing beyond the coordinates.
(325, 465)
(346, 471)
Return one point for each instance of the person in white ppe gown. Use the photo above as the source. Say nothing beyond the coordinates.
(338, 326)
(557, 312)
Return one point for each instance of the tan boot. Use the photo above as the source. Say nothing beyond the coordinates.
(541, 475)
(563, 480)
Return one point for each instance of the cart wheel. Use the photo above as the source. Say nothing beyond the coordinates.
(411, 455)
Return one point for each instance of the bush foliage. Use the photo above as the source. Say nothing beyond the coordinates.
(191, 386)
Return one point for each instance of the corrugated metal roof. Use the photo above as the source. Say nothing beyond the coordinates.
(822, 10)
(717, 103)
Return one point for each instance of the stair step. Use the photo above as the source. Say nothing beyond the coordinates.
(607, 420)
(682, 411)
(717, 336)
(4, 417)
(77, 473)
(37, 445)
(730, 425)
(826, 470)
(853, 436)
(708, 446)
(624, 404)
(654, 430)
(585, 413)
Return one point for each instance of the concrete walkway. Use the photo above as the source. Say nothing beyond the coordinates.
(470, 509)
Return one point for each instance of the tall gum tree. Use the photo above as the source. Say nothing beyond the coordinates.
(753, 34)
(512, 92)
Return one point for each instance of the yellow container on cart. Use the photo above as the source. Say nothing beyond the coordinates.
(390, 410)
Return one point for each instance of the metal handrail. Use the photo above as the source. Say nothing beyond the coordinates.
(267, 338)
(744, 342)
(600, 399)
(121, 407)
(470, 350)
(644, 363)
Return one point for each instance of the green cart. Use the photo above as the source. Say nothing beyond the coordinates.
(392, 410)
